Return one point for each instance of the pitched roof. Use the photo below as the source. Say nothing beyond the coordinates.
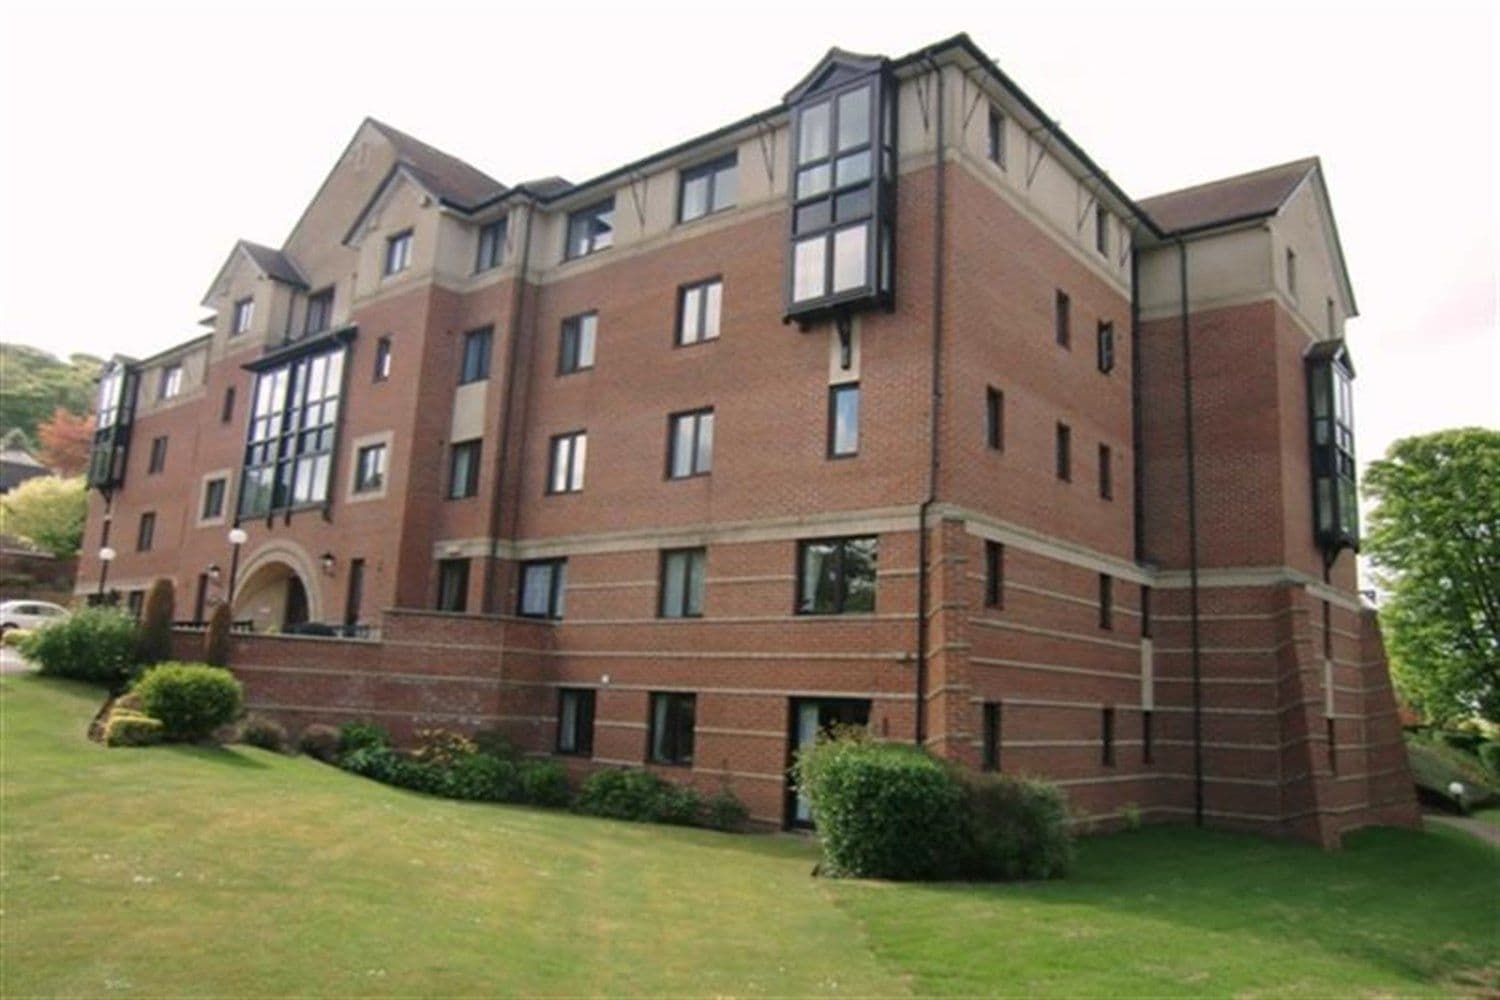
(1245, 196)
(273, 263)
(447, 177)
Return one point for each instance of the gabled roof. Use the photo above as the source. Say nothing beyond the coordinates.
(835, 68)
(445, 177)
(270, 263)
(1241, 198)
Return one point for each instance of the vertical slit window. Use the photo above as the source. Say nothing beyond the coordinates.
(1106, 475)
(1107, 736)
(1106, 347)
(843, 420)
(994, 418)
(994, 574)
(1064, 452)
(1062, 319)
(990, 752)
(995, 144)
(1106, 601)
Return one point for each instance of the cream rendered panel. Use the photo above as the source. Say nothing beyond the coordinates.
(1301, 226)
(468, 411)
(404, 206)
(194, 364)
(1224, 269)
(455, 244)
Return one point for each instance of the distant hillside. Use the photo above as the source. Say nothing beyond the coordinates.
(33, 383)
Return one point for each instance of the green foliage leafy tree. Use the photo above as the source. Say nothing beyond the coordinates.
(1435, 541)
(37, 384)
(48, 512)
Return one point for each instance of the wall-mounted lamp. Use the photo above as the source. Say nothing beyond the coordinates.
(328, 561)
(213, 572)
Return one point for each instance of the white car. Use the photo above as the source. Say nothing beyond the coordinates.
(29, 614)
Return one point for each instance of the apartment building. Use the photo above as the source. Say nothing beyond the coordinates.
(884, 405)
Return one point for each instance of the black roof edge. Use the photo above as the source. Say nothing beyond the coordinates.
(159, 355)
(300, 348)
(964, 42)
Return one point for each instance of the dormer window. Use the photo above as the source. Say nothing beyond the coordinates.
(491, 246)
(591, 229)
(171, 382)
(1330, 383)
(398, 253)
(244, 314)
(842, 190)
(319, 312)
(708, 188)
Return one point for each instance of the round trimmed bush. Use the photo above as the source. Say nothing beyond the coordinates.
(320, 741)
(1018, 828)
(544, 783)
(190, 699)
(883, 810)
(93, 644)
(127, 729)
(268, 734)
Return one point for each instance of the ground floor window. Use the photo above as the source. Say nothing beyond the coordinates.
(453, 585)
(670, 733)
(575, 721)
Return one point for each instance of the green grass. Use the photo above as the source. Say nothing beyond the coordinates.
(175, 871)
(1490, 816)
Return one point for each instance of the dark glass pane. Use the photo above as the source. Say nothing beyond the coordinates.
(814, 215)
(852, 169)
(853, 204)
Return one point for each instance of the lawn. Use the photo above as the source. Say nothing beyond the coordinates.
(200, 871)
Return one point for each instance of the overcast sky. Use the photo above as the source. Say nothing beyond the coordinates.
(140, 141)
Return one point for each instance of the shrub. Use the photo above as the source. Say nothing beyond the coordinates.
(93, 644)
(268, 734)
(544, 783)
(724, 811)
(127, 729)
(129, 702)
(639, 796)
(1017, 828)
(361, 736)
(495, 743)
(442, 747)
(15, 638)
(155, 637)
(190, 699)
(216, 638)
(1489, 756)
(320, 742)
(482, 778)
(883, 810)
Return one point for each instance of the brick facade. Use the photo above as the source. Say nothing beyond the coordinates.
(1057, 666)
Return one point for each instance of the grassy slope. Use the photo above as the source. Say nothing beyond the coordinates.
(172, 871)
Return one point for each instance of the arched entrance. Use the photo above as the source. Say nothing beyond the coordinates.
(273, 595)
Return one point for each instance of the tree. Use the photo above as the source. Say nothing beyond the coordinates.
(156, 624)
(48, 512)
(1435, 540)
(66, 440)
(36, 384)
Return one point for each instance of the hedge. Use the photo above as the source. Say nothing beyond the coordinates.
(92, 644)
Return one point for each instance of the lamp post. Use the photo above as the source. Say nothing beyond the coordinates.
(106, 556)
(237, 537)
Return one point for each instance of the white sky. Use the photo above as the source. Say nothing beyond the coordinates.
(138, 143)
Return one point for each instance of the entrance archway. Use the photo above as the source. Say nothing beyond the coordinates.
(275, 592)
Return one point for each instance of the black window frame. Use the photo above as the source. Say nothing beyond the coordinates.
(156, 462)
(838, 546)
(1107, 736)
(1105, 347)
(580, 741)
(226, 408)
(994, 418)
(995, 137)
(489, 246)
(453, 585)
(145, 531)
(574, 463)
(991, 727)
(1106, 602)
(473, 450)
(317, 313)
(698, 418)
(1062, 319)
(677, 739)
(994, 574)
(1063, 452)
(475, 355)
(242, 315)
(382, 369)
(398, 248)
(363, 481)
(295, 415)
(686, 606)
(1331, 438)
(712, 170)
(557, 583)
(1106, 473)
(214, 500)
(700, 311)
(595, 239)
(834, 392)
(578, 330)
